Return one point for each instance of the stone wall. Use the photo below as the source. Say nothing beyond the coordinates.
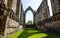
(10, 21)
(12, 26)
(42, 12)
(55, 6)
(50, 24)
(2, 18)
(22, 15)
(14, 5)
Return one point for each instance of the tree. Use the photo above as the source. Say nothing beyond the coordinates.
(29, 22)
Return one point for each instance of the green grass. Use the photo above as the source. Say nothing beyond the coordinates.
(31, 33)
(16, 34)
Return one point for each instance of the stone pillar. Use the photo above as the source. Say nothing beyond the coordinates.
(34, 20)
(22, 15)
(18, 8)
(55, 6)
(24, 20)
(14, 6)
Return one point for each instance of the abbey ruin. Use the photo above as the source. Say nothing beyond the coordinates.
(12, 17)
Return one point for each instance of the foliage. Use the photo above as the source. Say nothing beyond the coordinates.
(29, 22)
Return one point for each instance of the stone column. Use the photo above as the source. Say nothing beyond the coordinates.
(55, 6)
(24, 20)
(18, 8)
(34, 20)
(14, 6)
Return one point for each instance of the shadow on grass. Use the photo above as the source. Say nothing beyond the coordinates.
(52, 35)
(28, 32)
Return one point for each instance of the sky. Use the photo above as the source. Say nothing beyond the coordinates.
(34, 5)
(29, 16)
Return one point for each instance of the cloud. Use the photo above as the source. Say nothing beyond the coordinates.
(33, 3)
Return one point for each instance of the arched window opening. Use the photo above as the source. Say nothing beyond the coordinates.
(29, 18)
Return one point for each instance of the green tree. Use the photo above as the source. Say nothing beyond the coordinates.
(29, 22)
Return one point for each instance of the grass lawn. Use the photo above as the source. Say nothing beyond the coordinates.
(31, 33)
(16, 34)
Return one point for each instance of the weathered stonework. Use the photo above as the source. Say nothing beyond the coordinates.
(51, 24)
(14, 5)
(10, 21)
(2, 18)
(12, 17)
(22, 15)
(42, 12)
(55, 6)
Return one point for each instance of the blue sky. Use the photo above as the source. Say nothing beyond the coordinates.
(34, 5)
(29, 16)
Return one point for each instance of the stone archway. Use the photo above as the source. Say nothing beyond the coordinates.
(33, 12)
